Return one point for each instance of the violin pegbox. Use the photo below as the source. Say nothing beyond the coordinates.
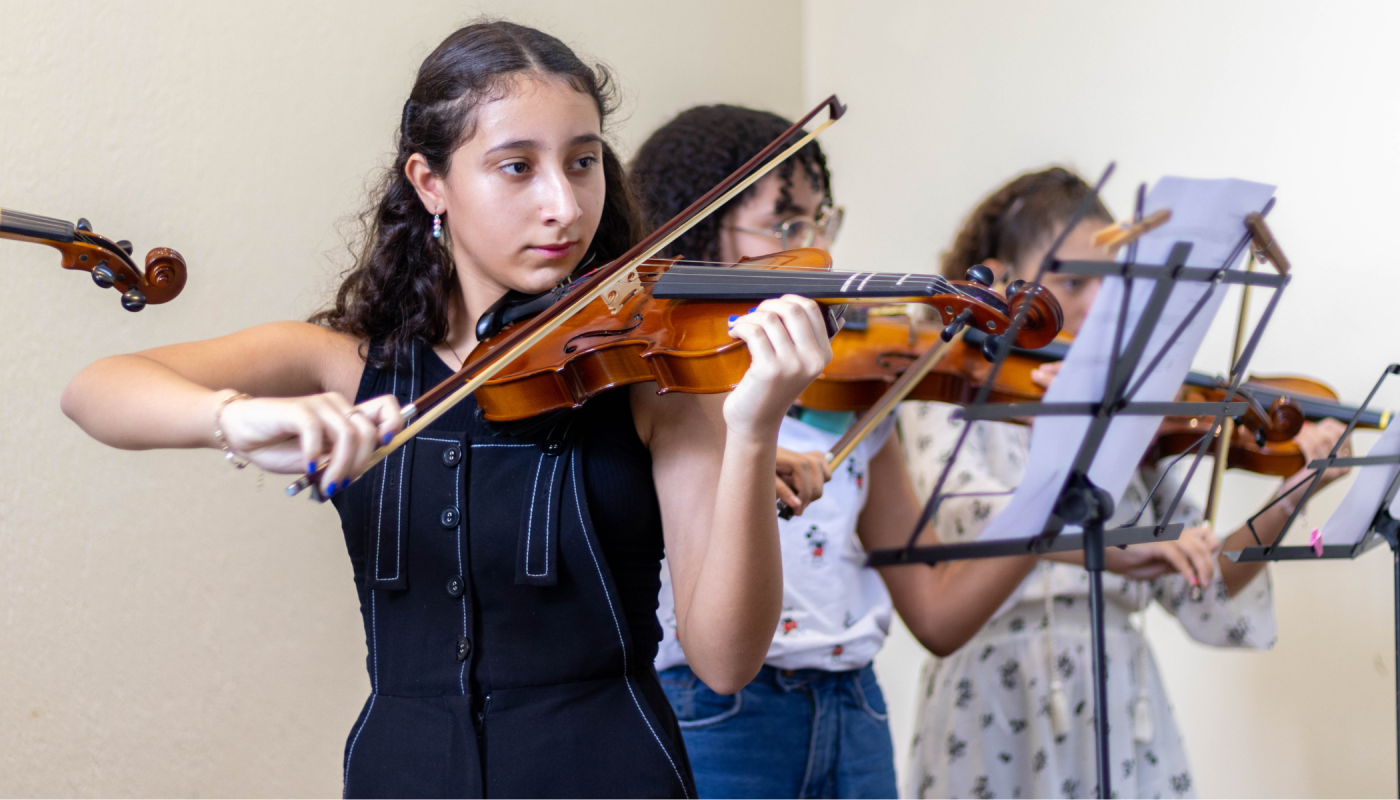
(974, 303)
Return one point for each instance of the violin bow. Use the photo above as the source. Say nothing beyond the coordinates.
(1264, 247)
(613, 283)
(891, 399)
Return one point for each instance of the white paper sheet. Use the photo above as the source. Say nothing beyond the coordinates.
(1353, 517)
(1210, 215)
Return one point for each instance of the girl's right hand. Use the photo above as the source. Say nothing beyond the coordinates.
(1193, 555)
(801, 478)
(297, 434)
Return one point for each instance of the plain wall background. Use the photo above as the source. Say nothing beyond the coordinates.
(168, 629)
(949, 100)
(165, 628)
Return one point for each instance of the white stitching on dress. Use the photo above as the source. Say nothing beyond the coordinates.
(374, 688)
(383, 481)
(578, 507)
(530, 523)
(345, 780)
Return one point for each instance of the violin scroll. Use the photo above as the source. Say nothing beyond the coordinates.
(110, 263)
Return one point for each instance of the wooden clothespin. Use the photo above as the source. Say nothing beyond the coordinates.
(1265, 246)
(1119, 234)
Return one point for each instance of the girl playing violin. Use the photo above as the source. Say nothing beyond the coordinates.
(1010, 714)
(813, 722)
(507, 576)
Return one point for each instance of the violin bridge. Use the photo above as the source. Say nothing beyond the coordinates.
(616, 294)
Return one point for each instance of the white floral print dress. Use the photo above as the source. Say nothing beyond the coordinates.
(1011, 713)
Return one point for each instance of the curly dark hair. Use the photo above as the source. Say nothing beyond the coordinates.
(1017, 217)
(399, 289)
(687, 156)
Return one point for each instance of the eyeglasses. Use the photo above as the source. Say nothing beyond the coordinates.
(802, 231)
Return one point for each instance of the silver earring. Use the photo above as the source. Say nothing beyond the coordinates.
(437, 226)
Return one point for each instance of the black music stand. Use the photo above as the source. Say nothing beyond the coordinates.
(1080, 501)
(1383, 527)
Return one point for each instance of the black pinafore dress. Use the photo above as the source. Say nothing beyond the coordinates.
(508, 587)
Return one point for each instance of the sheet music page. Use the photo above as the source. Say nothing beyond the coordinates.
(1353, 517)
(1209, 214)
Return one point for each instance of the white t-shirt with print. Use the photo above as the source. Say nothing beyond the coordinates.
(836, 612)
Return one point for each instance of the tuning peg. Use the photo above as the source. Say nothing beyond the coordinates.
(125, 246)
(1260, 439)
(991, 347)
(959, 322)
(1014, 287)
(133, 300)
(84, 225)
(103, 276)
(982, 275)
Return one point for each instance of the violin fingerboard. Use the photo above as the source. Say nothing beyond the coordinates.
(18, 223)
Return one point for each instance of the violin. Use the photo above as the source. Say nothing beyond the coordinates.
(672, 328)
(109, 262)
(641, 318)
(869, 355)
(1262, 439)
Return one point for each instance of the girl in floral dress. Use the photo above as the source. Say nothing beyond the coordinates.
(1011, 713)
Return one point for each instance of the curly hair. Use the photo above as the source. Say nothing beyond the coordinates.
(692, 153)
(399, 289)
(1017, 217)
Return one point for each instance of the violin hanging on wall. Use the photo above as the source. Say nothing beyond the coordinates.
(108, 262)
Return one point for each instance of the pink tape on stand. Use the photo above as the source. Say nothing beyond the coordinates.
(1315, 539)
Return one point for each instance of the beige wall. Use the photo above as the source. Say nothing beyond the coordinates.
(949, 99)
(167, 629)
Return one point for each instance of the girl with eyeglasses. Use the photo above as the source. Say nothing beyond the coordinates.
(813, 723)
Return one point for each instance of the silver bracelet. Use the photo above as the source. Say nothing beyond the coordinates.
(233, 458)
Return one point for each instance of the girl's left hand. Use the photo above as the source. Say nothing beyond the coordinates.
(1045, 374)
(789, 348)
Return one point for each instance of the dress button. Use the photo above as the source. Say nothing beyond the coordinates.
(452, 456)
(449, 518)
(464, 648)
(553, 447)
(455, 586)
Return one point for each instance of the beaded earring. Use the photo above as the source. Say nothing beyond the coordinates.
(437, 226)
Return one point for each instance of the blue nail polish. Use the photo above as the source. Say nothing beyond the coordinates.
(311, 468)
(755, 308)
(733, 317)
(330, 490)
(345, 484)
(388, 437)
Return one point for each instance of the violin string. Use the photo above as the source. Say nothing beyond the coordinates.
(718, 276)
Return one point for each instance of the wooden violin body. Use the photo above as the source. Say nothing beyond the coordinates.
(868, 358)
(109, 262)
(671, 326)
(1262, 440)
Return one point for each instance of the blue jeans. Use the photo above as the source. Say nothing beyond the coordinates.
(789, 733)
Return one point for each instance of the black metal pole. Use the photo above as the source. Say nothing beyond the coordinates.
(1094, 563)
(1395, 555)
